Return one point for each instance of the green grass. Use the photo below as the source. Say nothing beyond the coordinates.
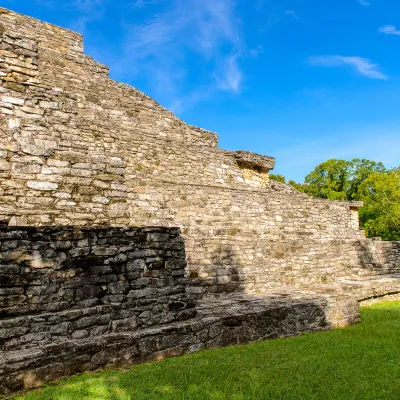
(358, 362)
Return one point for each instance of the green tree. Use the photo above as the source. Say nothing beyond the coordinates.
(365, 180)
(340, 179)
(380, 215)
(329, 180)
(279, 178)
(359, 172)
(297, 186)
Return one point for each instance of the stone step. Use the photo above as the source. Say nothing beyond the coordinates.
(221, 322)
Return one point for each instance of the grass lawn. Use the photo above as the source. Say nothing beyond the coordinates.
(358, 362)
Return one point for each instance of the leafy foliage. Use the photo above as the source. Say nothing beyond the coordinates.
(381, 212)
(365, 180)
(297, 186)
(279, 178)
(340, 179)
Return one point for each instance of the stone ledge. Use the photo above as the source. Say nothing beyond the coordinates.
(254, 160)
(232, 321)
(361, 288)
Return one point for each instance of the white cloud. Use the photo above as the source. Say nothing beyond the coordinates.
(389, 30)
(256, 51)
(229, 77)
(187, 32)
(364, 2)
(291, 13)
(89, 10)
(363, 66)
(143, 3)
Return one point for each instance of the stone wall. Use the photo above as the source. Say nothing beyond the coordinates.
(77, 148)
(63, 283)
(77, 299)
(256, 259)
(80, 149)
(382, 257)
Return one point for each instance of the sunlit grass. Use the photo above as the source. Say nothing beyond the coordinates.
(358, 362)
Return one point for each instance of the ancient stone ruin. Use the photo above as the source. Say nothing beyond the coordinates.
(127, 235)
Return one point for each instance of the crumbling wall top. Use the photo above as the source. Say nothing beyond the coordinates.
(46, 35)
(254, 160)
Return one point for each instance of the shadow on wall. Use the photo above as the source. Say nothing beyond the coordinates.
(200, 377)
(228, 281)
(222, 275)
(55, 269)
(117, 296)
(379, 257)
(222, 288)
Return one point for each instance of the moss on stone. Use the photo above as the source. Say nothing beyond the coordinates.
(17, 87)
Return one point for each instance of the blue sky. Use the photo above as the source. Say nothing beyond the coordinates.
(300, 80)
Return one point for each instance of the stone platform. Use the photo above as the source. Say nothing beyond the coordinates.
(223, 254)
(221, 321)
(80, 299)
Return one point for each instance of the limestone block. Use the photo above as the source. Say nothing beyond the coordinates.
(14, 123)
(44, 186)
(100, 199)
(12, 100)
(4, 165)
(254, 160)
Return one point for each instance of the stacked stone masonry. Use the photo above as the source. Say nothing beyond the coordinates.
(75, 299)
(79, 149)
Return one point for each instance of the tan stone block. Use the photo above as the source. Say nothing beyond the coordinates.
(25, 168)
(32, 110)
(37, 150)
(6, 111)
(48, 105)
(4, 165)
(101, 184)
(12, 100)
(14, 123)
(100, 199)
(65, 204)
(44, 186)
(52, 162)
(62, 195)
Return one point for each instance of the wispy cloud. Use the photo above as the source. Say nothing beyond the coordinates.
(389, 30)
(363, 66)
(364, 2)
(229, 76)
(256, 51)
(143, 3)
(88, 10)
(91, 10)
(291, 13)
(188, 33)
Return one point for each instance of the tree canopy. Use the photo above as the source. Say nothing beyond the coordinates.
(278, 178)
(381, 212)
(359, 179)
(340, 179)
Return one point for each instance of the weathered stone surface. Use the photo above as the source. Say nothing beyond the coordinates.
(72, 334)
(255, 160)
(55, 281)
(86, 298)
(82, 149)
(42, 185)
(76, 148)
